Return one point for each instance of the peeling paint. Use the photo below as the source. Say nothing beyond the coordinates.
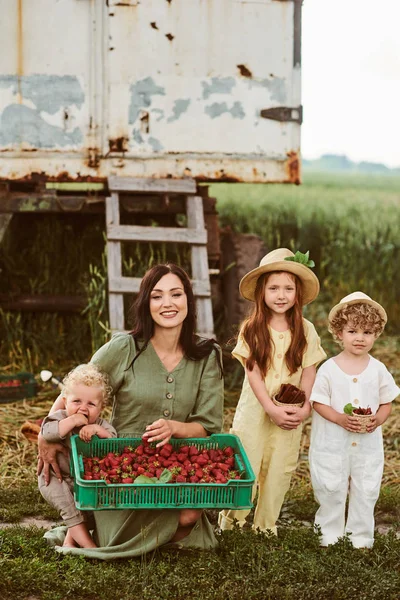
(136, 136)
(275, 86)
(141, 96)
(219, 108)
(218, 85)
(180, 106)
(20, 124)
(159, 112)
(48, 93)
(155, 144)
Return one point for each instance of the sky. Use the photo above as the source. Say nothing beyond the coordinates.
(351, 79)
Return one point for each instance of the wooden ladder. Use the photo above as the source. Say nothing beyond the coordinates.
(195, 234)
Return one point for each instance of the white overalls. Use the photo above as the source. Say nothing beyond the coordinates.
(342, 462)
(272, 451)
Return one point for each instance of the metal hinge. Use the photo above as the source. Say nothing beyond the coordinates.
(283, 114)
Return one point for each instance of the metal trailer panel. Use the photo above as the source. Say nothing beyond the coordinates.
(154, 88)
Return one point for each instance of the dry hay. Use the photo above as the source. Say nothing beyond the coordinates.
(19, 456)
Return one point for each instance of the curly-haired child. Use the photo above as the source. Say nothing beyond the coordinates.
(343, 460)
(85, 390)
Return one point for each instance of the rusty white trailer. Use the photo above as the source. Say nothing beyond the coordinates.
(207, 89)
(141, 100)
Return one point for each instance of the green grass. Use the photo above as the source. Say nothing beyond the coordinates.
(246, 565)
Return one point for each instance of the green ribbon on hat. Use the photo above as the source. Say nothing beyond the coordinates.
(303, 259)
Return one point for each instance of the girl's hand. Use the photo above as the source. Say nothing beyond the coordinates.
(303, 413)
(286, 417)
(87, 432)
(47, 457)
(348, 422)
(160, 431)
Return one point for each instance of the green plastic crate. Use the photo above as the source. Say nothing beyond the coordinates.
(17, 387)
(98, 495)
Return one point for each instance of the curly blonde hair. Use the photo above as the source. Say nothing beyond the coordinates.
(89, 374)
(361, 315)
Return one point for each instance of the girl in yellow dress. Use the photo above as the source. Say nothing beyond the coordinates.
(276, 345)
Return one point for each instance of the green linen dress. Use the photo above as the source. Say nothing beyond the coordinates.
(192, 392)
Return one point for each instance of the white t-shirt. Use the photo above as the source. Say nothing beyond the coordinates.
(335, 388)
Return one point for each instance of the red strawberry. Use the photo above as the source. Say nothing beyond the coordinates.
(194, 479)
(180, 479)
(193, 451)
(127, 479)
(223, 467)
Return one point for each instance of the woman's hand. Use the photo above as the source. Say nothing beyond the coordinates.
(160, 431)
(286, 417)
(47, 457)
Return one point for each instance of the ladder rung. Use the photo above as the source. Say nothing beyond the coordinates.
(130, 285)
(151, 185)
(140, 233)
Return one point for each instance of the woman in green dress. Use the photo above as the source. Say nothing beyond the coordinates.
(167, 383)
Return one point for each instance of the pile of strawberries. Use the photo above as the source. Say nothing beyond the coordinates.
(147, 464)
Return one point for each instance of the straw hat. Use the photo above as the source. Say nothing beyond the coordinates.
(275, 261)
(356, 298)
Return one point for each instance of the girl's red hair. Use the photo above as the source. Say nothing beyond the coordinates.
(257, 334)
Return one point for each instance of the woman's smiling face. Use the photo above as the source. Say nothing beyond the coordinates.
(168, 302)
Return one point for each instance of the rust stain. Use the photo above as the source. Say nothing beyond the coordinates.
(245, 71)
(119, 144)
(169, 36)
(93, 158)
(292, 167)
(42, 178)
(153, 24)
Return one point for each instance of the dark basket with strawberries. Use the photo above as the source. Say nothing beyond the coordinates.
(17, 387)
(289, 395)
(115, 473)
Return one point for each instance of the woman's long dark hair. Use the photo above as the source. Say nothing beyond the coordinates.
(194, 347)
(258, 337)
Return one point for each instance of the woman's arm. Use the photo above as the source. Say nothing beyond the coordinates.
(330, 414)
(47, 457)
(286, 417)
(58, 404)
(47, 451)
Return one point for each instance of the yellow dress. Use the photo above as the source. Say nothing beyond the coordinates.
(272, 451)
